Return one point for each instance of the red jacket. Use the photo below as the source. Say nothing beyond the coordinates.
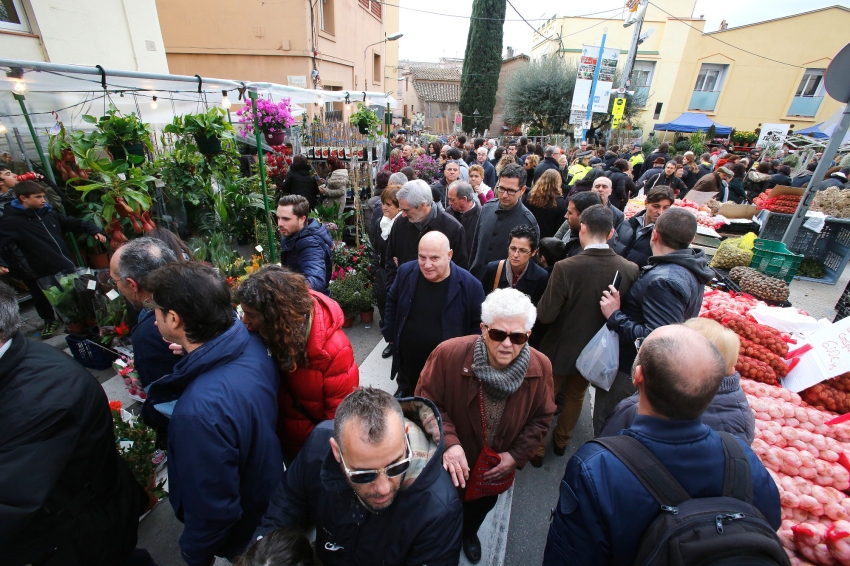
(330, 375)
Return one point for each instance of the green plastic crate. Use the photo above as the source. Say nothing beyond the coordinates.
(774, 259)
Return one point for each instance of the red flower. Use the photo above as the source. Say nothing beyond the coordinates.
(115, 405)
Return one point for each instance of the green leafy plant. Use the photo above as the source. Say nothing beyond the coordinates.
(115, 130)
(204, 126)
(367, 120)
(123, 190)
(351, 290)
(136, 443)
(696, 143)
(649, 145)
(59, 144)
(791, 160)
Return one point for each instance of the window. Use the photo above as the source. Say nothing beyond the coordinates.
(12, 16)
(812, 83)
(326, 16)
(376, 69)
(710, 78)
(642, 73)
(371, 5)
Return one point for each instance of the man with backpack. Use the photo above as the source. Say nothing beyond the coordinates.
(668, 481)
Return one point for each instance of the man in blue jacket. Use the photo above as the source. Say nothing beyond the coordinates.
(224, 459)
(429, 302)
(372, 483)
(603, 509)
(305, 244)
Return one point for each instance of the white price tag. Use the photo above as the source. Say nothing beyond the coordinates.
(125, 444)
(113, 294)
(91, 285)
(259, 249)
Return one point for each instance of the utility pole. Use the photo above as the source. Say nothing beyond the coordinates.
(639, 7)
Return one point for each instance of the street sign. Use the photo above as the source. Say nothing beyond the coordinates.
(617, 112)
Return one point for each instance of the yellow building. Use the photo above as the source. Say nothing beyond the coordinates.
(285, 42)
(685, 68)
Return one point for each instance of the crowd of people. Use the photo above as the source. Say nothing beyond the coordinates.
(490, 283)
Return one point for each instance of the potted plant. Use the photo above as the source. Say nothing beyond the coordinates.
(120, 135)
(62, 147)
(366, 121)
(207, 128)
(350, 289)
(273, 119)
(425, 168)
(136, 444)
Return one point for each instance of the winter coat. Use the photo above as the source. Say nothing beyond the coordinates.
(779, 179)
(646, 175)
(712, 183)
(755, 183)
(449, 382)
(492, 240)
(532, 283)
(152, 358)
(690, 178)
(660, 179)
(379, 251)
(603, 509)
(655, 155)
(631, 239)
(619, 216)
(403, 242)
(802, 180)
(439, 192)
(609, 159)
(545, 164)
(38, 234)
(224, 460)
(736, 190)
(301, 180)
(669, 291)
(570, 305)
(461, 313)
(337, 187)
(620, 190)
(489, 173)
(308, 252)
(834, 180)
(68, 499)
(549, 219)
(469, 221)
(319, 388)
(373, 204)
(423, 525)
(729, 411)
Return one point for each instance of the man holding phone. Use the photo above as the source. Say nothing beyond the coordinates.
(569, 305)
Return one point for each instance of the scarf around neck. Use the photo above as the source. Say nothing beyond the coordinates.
(386, 225)
(499, 384)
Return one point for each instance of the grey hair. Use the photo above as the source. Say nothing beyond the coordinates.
(416, 193)
(508, 303)
(369, 406)
(10, 317)
(549, 151)
(142, 256)
(397, 179)
(463, 190)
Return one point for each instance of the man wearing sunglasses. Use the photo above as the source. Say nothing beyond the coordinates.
(371, 484)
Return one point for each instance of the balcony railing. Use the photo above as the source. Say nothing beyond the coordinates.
(805, 106)
(703, 100)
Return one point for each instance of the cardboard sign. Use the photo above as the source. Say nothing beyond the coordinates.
(832, 345)
(700, 198)
(773, 134)
(734, 211)
(779, 190)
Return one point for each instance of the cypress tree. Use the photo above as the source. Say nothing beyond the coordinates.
(481, 63)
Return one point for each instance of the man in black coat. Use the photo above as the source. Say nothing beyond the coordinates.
(68, 498)
(782, 177)
(548, 162)
(419, 215)
(802, 180)
(372, 483)
(465, 208)
(633, 236)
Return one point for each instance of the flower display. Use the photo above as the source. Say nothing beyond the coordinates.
(277, 164)
(271, 116)
(425, 168)
(115, 406)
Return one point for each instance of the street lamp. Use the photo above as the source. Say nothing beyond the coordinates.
(394, 37)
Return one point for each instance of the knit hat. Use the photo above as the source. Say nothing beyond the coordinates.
(725, 171)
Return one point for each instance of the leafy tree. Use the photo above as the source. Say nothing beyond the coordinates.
(541, 93)
(482, 63)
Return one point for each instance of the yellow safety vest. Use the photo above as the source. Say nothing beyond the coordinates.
(578, 171)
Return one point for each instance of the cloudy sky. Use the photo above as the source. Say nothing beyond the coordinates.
(428, 36)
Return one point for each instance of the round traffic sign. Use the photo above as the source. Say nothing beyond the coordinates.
(837, 80)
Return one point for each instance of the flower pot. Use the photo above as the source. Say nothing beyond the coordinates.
(75, 328)
(366, 317)
(275, 138)
(121, 152)
(348, 322)
(98, 261)
(117, 152)
(208, 146)
(363, 128)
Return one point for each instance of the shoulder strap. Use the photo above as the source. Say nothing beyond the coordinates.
(498, 274)
(737, 480)
(646, 467)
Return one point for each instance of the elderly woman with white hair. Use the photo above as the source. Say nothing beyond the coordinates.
(494, 393)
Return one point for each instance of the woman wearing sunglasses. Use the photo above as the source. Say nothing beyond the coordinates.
(501, 432)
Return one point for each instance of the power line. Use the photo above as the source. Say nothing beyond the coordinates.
(726, 42)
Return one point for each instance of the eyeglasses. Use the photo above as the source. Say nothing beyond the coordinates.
(149, 304)
(508, 191)
(361, 477)
(517, 338)
(514, 250)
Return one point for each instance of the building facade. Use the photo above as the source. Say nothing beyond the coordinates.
(432, 89)
(510, 63)
(115, 35)
(685, 68)
(330, 44)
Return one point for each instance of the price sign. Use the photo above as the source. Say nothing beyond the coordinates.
(832, 346)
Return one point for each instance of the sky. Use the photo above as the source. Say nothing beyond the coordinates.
(427, 37)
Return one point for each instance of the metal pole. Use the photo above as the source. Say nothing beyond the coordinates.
(820, 172)
(262, 163)
(593, 86)
(387, 120)
(48, 170)
(633, 47)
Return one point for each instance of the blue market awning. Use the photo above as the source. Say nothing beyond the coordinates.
(691, 122)
(813, 131)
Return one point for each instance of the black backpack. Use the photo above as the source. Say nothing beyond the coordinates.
(702, 531)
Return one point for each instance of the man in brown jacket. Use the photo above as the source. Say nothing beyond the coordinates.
(571, 305)
(717, 182)
(497, 378)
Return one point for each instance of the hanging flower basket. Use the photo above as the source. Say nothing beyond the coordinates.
(275, 138)
(208, 146)
(272, 117)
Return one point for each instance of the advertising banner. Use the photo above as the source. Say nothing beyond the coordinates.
(584, 81)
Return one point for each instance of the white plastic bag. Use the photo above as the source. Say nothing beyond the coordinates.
(599, 360)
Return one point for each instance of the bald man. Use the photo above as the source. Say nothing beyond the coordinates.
(604, 509)
(431, 300)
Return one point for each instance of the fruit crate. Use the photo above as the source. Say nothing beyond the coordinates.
(831, 246)
(774, 259)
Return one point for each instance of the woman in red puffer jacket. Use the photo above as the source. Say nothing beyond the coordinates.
(302, 330)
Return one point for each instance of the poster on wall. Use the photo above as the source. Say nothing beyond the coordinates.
(772, 133)
(584, 81)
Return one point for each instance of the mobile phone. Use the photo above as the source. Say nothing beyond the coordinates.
(617, 280)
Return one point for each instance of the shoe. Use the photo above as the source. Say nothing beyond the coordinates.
(472, 549)
(388, 351)
(536, 461)
(400, 394)
(49, 330)
(558, 450)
